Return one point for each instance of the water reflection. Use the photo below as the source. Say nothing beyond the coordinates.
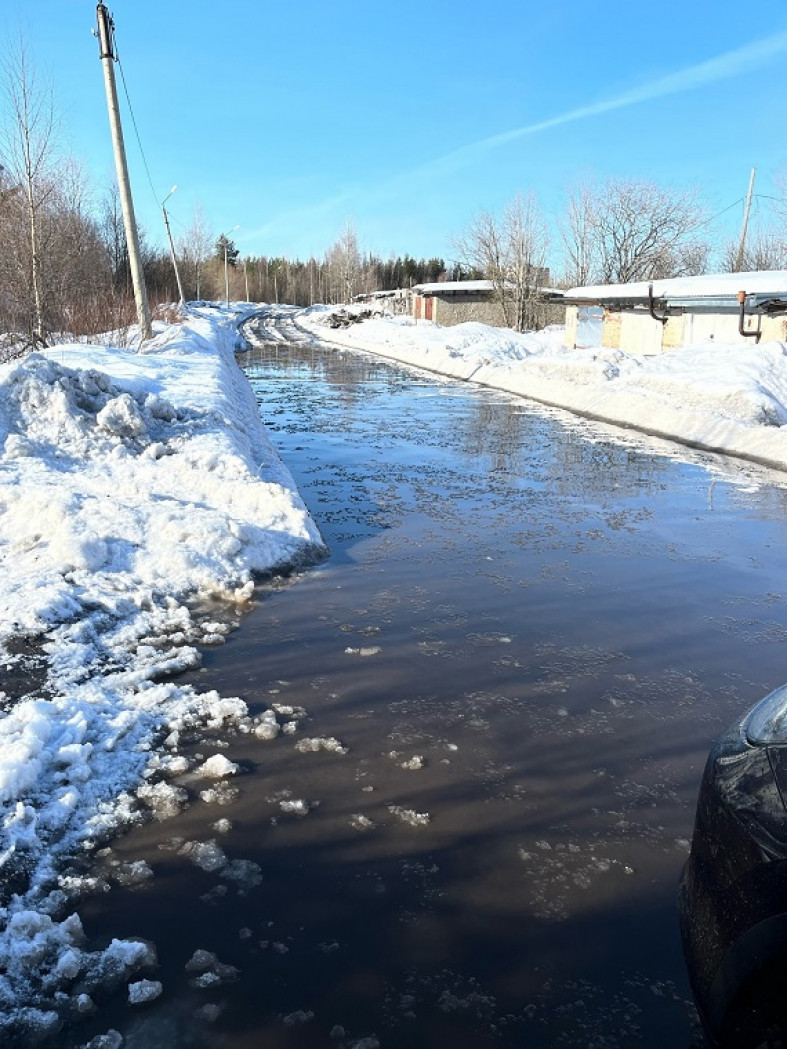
(523, 634)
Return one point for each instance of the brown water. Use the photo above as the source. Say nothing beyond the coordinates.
(527, 635)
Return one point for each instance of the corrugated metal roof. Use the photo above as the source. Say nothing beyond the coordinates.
(447, 287)
(767, 284)
(470, 287)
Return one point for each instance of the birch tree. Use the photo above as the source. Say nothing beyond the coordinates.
(194, 245)
(510, 250)
(577, 235)
(343, 264)
(28, 149)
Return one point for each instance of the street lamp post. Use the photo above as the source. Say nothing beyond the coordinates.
(172, 246)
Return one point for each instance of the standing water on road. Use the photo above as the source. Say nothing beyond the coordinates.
(496, 696)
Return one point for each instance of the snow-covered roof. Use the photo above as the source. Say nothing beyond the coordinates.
(454, 287)
(463, 287)
(763, 284)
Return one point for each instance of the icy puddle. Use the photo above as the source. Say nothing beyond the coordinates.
(479, 730)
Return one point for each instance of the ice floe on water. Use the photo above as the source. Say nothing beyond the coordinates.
(410, 816)
(315, 744)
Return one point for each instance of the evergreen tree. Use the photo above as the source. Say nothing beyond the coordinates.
(223, 243)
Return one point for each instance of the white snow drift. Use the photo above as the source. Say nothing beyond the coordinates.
(130, 484)
(722, 397)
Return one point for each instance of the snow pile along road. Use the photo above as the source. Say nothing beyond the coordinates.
(721, 397)
(129, 485)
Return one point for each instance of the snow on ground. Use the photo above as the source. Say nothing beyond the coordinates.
(131, 484)
(729, 398)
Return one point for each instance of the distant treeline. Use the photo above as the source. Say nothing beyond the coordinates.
(64, 268)
(335, 278)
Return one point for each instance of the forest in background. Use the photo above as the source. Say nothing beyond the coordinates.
(64, 269)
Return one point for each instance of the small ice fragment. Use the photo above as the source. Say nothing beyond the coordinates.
(218, 767)
(210, 1012)
(416, 762)
(208, 979)
(144, 991)
(286, 710)
(297, 807)
(298, 1017)
(111, 1040)
(415, 819)
(371, 650)
(164, 799)
(133, 873)
(205, 854)
(267, 727)
(200, 961)
(313, 744)
(221, 794)
(360, 822)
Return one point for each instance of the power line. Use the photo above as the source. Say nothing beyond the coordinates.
(136, 128)
(707, 222)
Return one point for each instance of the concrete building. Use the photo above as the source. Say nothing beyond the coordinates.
(458, 301)
(652, 317)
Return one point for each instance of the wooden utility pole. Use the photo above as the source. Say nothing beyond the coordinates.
(746, 210)
(106, 39)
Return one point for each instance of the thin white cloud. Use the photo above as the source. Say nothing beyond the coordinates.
(724, 67)
(324, 216)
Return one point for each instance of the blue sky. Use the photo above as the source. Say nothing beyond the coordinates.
(293, 120)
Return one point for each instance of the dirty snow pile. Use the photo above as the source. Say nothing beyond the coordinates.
(724, 397)
(130, 484)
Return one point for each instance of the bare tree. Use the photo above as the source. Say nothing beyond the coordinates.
(343, 264)
(510, 250)
(195, 246)
(629, 230)
(763, 251)
(27, 145)
(75, 266)
(577, 234)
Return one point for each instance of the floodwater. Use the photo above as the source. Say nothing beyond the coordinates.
(528, 633)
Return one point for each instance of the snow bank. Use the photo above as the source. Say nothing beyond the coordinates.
(729, 398)
(129, 483)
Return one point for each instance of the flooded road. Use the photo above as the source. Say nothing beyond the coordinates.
(497, 698)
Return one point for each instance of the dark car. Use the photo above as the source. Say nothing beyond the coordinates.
(733, 890)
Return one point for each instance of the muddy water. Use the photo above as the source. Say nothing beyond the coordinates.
(528, 633)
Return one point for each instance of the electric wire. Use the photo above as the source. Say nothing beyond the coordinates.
(713, 218)
(136, 128)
